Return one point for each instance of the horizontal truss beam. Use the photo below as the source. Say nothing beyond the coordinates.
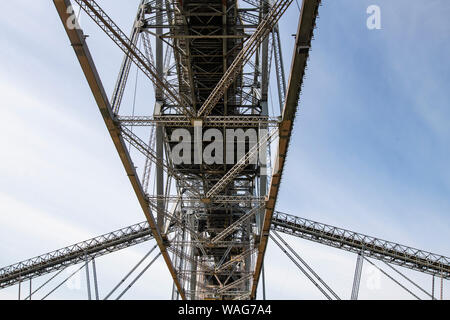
(211, 121)
(394, 253)
(74, 254)
(358, 243)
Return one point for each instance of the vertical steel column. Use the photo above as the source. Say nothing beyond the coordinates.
(279, 66)
(248, 259)
(432, 287)
(158, 110)
(175, 263)
(264, 112)
(194, 265)
(224, 52)
(182, 249)
(357, 277)
(124, 72)
(175, 258)
(94, 270)
(88, 282)
(263, 282)
(173, 290)
(20, 282)
(31, 290)
(193, 286)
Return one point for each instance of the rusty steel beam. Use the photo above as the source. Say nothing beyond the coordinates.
(303, 39)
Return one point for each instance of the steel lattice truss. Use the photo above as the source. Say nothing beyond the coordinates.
(74, 254)
(209, 63)
(368, 246)
(387, 251)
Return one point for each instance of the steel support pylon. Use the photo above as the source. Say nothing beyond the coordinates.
(204, 169)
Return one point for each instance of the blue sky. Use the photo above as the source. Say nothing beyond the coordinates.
(372, 127)
(370, 150)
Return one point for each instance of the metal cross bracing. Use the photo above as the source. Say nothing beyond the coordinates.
(362, 245)
(210, 121)
(368, 246)
(209, 65)
(74, 254)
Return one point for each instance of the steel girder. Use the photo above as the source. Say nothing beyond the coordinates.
(211, 121)
(74, 254)
(398, 254)
(207, 38)
(209, 75)
(383, 250)
(306, 25)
